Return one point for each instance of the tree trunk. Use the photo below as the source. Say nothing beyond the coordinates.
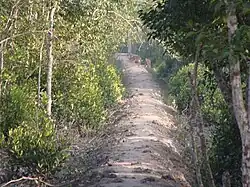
(226, 182)
(1, 79)
(240, 111)
(224, 86)
(199, 121)
(195, 147)
(246, 145)
(129, 44)
(196, 155)
(1, 67)
(50, 60)
(39, 74)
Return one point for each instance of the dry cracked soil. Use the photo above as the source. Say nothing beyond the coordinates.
(141, 152)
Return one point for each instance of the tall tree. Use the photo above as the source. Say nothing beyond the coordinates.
(183, 25)
(241, 114)
(50, 38)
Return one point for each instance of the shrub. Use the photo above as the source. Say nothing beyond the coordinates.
(225, 143)
(85, 91)
(15, 108)
(31, 137)
(110, 82)
(37, 147)
(79, 95)
(179, 87)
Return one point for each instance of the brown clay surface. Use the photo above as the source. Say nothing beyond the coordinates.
(144, 154)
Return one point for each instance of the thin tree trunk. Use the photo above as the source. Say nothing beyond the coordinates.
(195, 156)
(246, 145)
(226, 182)
(30, 11)
(40, 61)
(1, 67)
(50, 60)
(39, 74)
(224, 86)
(240, 112)
(1, 79)
(198, 118)
(129, 44)
(39, 80)
(196, 150)
(209, 173)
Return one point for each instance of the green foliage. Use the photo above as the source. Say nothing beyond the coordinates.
(36, 146)
(84, 85)
(152, 50)
(110, 82)
(86, 104)
(182, 26)
(225, 147)
(168, 67)
(163, 63)
(225, 154)
(14, 108)
(31, 137)
(79, 96)
(179, 86)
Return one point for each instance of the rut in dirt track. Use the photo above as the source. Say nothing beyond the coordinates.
(146, 156)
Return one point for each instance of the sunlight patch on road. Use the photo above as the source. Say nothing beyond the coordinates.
(138, 175)
(167, 142)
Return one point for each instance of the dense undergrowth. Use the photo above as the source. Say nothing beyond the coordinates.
(222, 132)
(65, 48)
(214, 35)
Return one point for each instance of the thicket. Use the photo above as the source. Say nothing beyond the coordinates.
(55, 74)
(223, 134)
(163, 64)
(214, 34)
(224, 147)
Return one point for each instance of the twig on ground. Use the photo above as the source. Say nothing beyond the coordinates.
(26, 178)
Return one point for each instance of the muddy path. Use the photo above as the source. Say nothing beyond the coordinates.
(144, 154)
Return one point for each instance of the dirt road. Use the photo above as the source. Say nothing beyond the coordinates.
(145, 155)
(137, 149)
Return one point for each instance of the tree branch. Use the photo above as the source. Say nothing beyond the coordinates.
(26, 179)
(22, 34)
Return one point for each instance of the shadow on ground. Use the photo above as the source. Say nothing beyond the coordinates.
(144, 154)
